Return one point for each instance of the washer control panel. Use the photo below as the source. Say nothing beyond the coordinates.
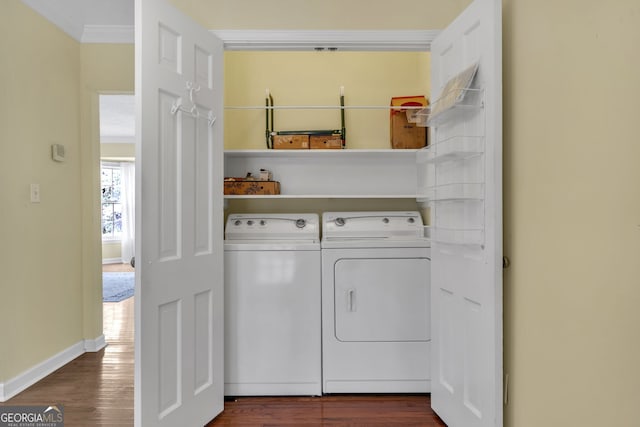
(272, 227)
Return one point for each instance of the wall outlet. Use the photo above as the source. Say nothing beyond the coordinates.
(35, 193)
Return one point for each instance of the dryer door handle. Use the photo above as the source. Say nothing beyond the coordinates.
(351, 300)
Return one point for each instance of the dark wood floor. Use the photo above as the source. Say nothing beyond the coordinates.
(330, 411)
(96, 389)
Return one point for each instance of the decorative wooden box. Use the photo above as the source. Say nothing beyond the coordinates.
(239, 186)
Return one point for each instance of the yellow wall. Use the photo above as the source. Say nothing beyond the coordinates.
(572, 212)
(41, 301)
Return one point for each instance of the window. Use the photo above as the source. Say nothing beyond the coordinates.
(111, 183)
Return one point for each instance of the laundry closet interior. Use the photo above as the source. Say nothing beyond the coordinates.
(268, 350)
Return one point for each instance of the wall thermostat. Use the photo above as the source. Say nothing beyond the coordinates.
(57, 152)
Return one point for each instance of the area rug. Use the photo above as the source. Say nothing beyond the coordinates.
(117, 286)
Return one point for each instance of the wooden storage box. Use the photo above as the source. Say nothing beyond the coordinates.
(325, 142)
(290, 142)
(403, 133)
(251, 187)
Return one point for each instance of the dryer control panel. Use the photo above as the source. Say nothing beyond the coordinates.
(372, 225)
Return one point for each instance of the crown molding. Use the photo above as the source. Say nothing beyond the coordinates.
(123, 34)
(349, 40)
(352, 40)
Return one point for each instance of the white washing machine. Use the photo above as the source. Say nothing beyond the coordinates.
(272, 305)
(375, 303)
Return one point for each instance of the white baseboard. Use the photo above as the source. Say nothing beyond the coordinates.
(112, 261)
(95, 345)
(34, 374)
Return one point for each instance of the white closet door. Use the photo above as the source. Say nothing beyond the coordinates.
(466, 210)
(179, 373)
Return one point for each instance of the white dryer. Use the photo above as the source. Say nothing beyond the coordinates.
(375, 303)
(272, 305)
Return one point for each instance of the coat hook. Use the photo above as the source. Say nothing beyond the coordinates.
(191, 87)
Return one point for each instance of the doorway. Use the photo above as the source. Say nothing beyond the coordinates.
(117, 197)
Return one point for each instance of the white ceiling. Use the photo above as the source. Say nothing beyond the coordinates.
(90, 21)
(117, 118)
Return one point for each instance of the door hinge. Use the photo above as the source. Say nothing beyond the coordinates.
(506, 262)
(506, 389)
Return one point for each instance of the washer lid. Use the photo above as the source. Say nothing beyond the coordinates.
(272, 227)
(372, 225)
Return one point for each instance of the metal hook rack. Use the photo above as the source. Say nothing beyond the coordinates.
(270, 132)
(193, 111)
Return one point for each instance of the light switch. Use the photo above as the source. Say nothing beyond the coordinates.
(35, 193)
